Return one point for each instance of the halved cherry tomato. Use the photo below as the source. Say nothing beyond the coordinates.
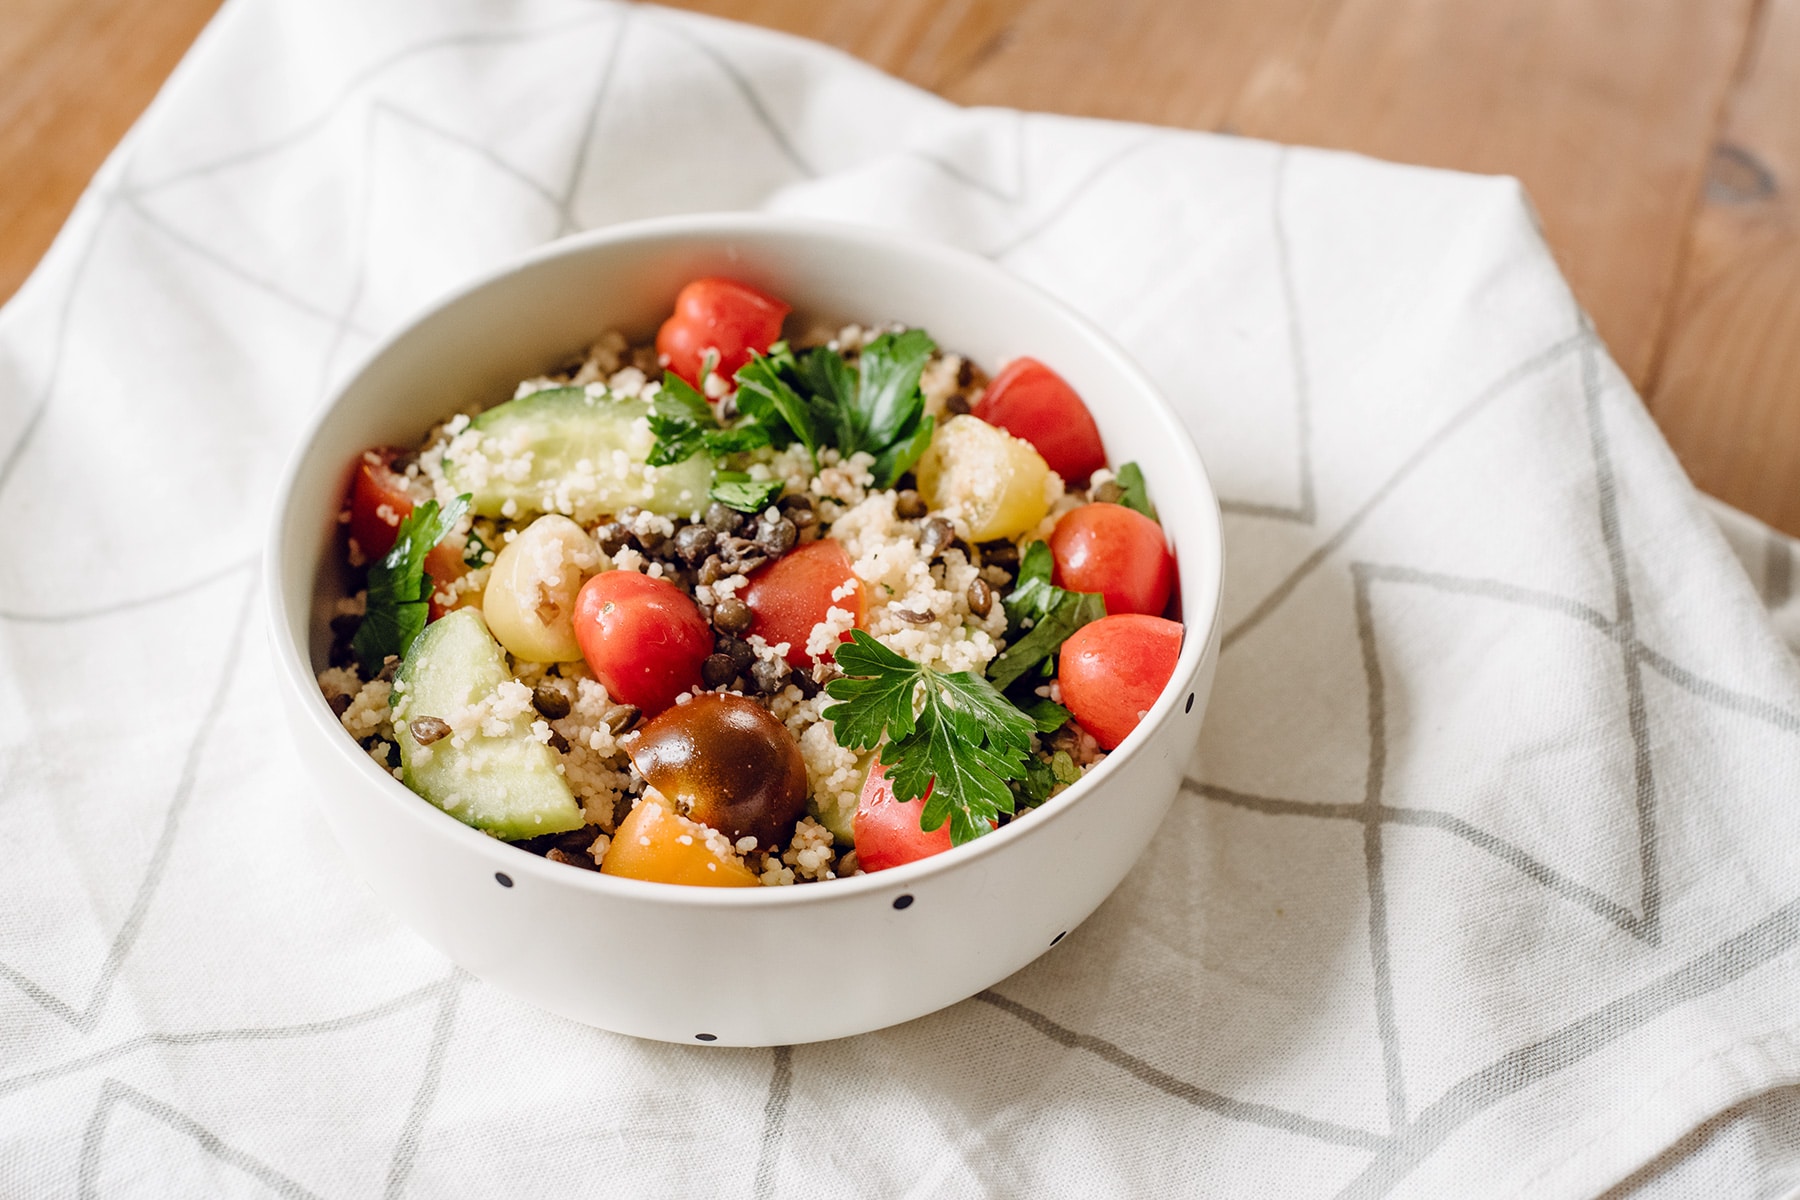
(887, 831)
(1030, 401)
(728, 763)
(642, 638)
(661, 846)
(1117, 552)
(719, 314)
(792, 594)
(1112, 670)
(381, 498)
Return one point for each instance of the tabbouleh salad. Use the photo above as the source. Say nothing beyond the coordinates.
(732, 610)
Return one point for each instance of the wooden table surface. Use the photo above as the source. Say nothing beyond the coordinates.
(1660, 140)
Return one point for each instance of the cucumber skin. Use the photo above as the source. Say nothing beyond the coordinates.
(565, 425)
(512, 789)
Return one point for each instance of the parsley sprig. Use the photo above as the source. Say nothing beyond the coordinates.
(1041, 617)
(819, 400)
(951, 733)
(399, 590)
(685, 425)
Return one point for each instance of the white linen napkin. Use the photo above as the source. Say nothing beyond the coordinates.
(1485, 882)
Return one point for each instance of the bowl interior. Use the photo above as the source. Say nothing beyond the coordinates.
(530, 317)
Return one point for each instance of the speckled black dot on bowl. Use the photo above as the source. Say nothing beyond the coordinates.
(1059, 937)
(502, 878)
(1190, 703)
(706, 1037)
(903, 901)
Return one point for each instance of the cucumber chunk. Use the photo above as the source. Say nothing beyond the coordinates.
(506, 785)
(840, 816)
(563, 451)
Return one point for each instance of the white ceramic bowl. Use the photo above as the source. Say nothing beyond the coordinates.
(685, 964)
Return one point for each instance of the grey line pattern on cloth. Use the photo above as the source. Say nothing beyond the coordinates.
(1012, 194)
(133, 203)
(480, 150)
(565, 203)
(1719, 694)
(59, 343)
(752, 101)
(978, 186)
(1380, 963)
(1080, 188)
(111, 607)
(1214, 1102)
(343, 322)
(1625, 621)
(1716, 968)
(115, 1094)
(365, 203)
(774, 1131)
(319, 120)
(85, 1017)
(1493, 391)
(1306, 510)
(1725, 964)
(1430, 818)
(1493, 589)
(406, 1148)
(1414, 1138)
(246, 1033)
(1707, 689)
(1778, 570)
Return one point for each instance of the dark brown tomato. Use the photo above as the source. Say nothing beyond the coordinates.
(727, 763)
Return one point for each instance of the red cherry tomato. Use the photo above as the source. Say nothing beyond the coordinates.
(792, 594)
(381, 498)
(887, 831)
(718, 314)
(1112, 670)
(642, 637)
(1116, 551)
(1031, 401)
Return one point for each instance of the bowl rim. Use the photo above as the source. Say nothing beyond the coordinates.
(293, 662)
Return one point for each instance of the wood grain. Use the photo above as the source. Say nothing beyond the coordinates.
(1605, 109)
(1727, 391)
(1685, 249)
(73, 77)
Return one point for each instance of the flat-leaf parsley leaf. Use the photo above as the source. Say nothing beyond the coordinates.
(399, 590)
(875, 406)
(684, 426)
(965, 742)
(1041, 616)
(736, 490)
